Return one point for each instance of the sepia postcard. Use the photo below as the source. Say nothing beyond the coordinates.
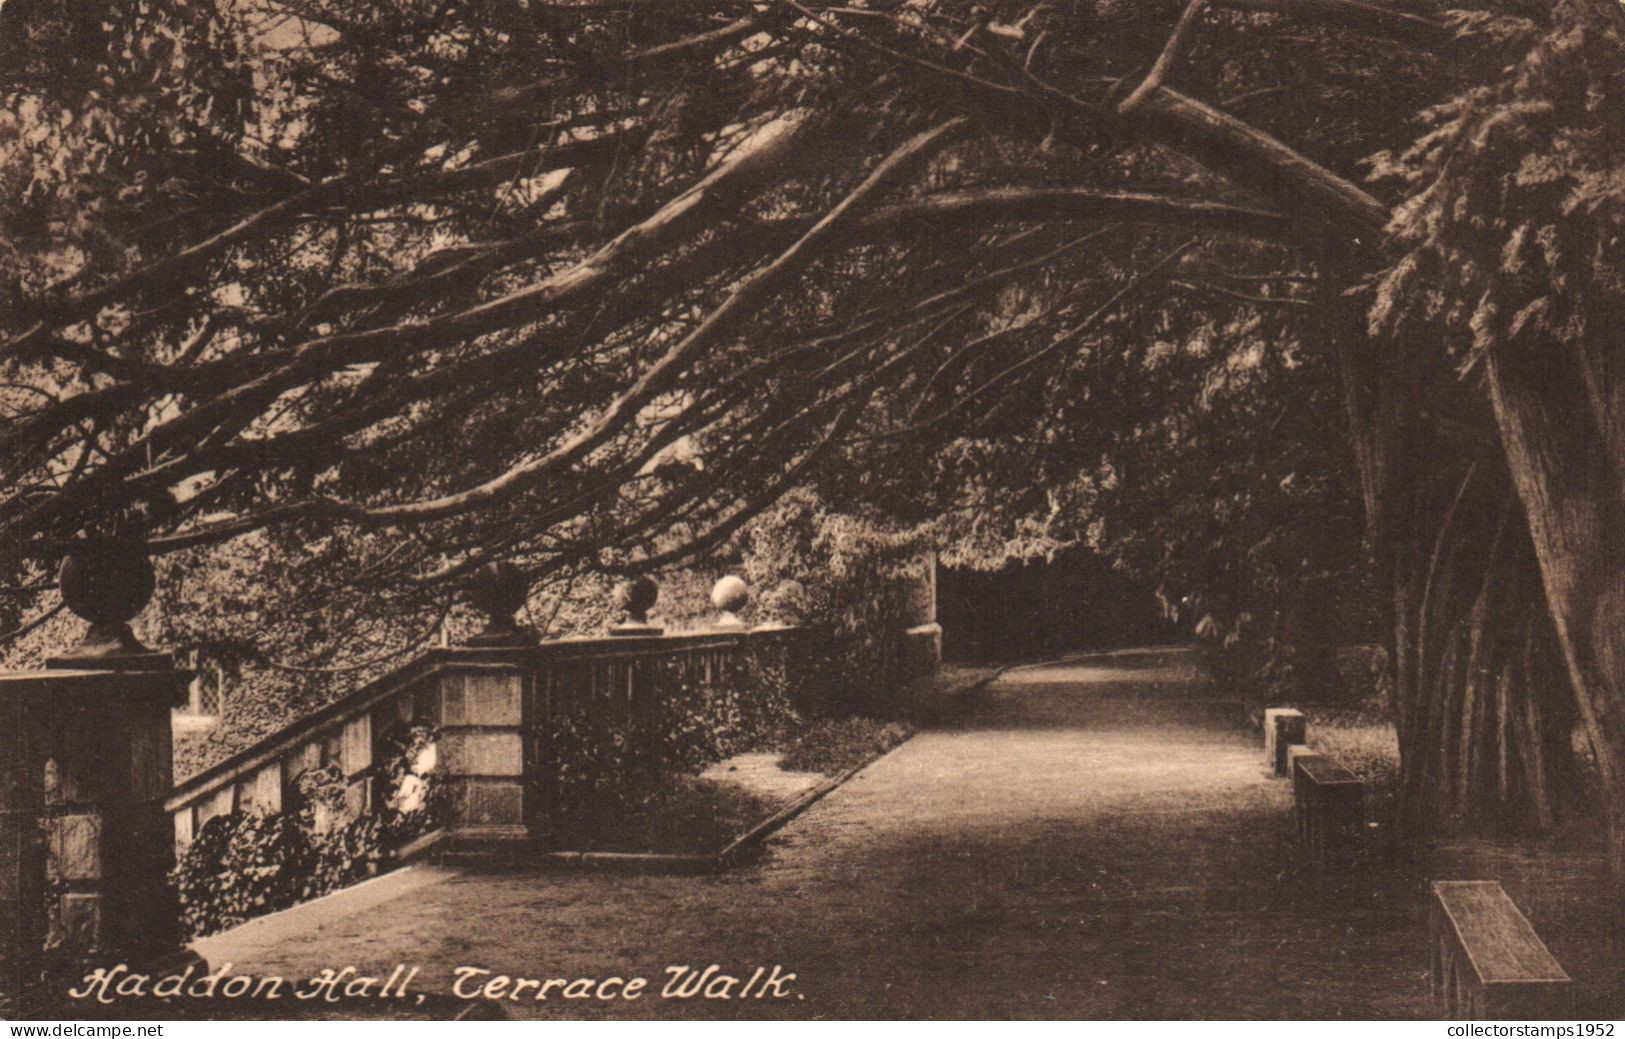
(627, 510)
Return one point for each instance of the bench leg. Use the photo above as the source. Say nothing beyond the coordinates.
(1527, 1002)
(1300, 813)
(1344, 823)
(1438, 964)
(1283, 732)
(1313, 837)
(1444, 972)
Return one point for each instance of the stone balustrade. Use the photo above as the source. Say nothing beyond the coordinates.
(90, 822)
(491, 707)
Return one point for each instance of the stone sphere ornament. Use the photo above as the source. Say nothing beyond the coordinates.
(729, 595)
(499, 591)
(107, 584)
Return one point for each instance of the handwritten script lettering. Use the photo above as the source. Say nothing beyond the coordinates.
(108, 985)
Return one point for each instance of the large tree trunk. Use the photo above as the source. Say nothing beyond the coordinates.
(1483, 709)
(1481, 704)
(1561, 430)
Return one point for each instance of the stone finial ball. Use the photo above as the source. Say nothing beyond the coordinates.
(498, 590)
(730, 594)
(637, 596)
(106, 583)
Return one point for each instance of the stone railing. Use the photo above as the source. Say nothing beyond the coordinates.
(492, 709)
(493, 706)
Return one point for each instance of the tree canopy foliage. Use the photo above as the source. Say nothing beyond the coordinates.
(277, 263)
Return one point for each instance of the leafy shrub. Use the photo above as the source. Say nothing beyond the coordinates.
(613, 767)
(245, 864)
(817, 564)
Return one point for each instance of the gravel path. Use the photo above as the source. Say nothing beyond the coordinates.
(1092, 839)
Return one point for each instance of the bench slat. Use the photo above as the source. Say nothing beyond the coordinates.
(1498, 939)
(1325, 770)
(1299, 751)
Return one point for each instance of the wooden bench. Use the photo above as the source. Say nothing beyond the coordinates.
(1329, 802)
(1294, 754)
(1283, 726)
(1488, 962)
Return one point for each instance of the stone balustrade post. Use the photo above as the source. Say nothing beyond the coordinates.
(22, 847)
(921, 643)
(483, 704)
(85, 844)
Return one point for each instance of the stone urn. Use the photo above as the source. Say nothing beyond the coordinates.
(499, 591)
(108, 584)
(635, 598)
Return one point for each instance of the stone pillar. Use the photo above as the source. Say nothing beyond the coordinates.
(85, 844)
(22, 847)
(483, 704)
(921, 647)
(481, 715)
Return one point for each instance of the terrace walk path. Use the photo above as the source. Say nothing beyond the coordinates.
(1092, 838)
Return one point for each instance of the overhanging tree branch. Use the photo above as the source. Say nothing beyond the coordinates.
(659, 378)
(752, 291)
(1172, 51)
